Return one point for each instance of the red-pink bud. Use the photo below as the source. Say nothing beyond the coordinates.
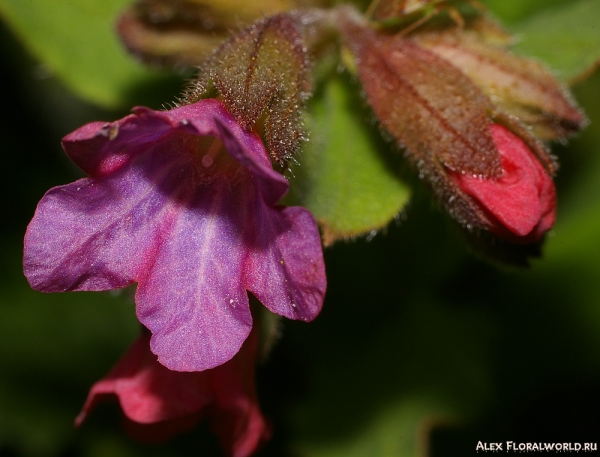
(521, 203)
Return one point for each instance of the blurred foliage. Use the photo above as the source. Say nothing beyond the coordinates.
(514, 11)
(566, 38)
(421, 347)
(76, 41)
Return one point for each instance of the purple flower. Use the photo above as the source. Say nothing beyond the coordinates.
(183, 202)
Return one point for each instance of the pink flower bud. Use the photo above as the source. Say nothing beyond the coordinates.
(520, 204)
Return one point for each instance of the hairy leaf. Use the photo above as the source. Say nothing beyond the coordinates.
(344, 178)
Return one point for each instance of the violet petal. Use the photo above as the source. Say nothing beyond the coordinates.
(286, 270)
(101, 234)
(194, 301)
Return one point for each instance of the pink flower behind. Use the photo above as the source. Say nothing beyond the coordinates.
(521, 203)
(183, 202)
(158, 403)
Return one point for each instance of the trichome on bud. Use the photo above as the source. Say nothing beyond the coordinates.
(261, 74)
(521, 87)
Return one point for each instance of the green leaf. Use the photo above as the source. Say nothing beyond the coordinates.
(78, 43)
(566, 38)
(347, 184)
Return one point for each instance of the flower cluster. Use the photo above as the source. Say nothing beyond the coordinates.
(185, 202)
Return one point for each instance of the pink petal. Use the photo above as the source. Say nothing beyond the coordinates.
(193, 298)
(236, 416)
(158, 403)
(147, 391)
(99, 234)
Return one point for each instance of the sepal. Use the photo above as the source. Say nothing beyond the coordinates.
(520, 87)
(262, 76)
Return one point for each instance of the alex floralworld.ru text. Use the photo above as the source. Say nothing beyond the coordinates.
(513, 446)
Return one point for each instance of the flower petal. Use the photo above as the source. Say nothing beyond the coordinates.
(286, 270)
(158, 403)
(147, 391)
(97, 234)
(523, 199)
(193, 299)
(100, 148)
(100, 234)
(195, 236)
(236, 417)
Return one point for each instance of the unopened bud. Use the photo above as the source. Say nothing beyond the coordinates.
(261, 74)
(519, 205)
(185, 32)
(518, 86)
(483, 165)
